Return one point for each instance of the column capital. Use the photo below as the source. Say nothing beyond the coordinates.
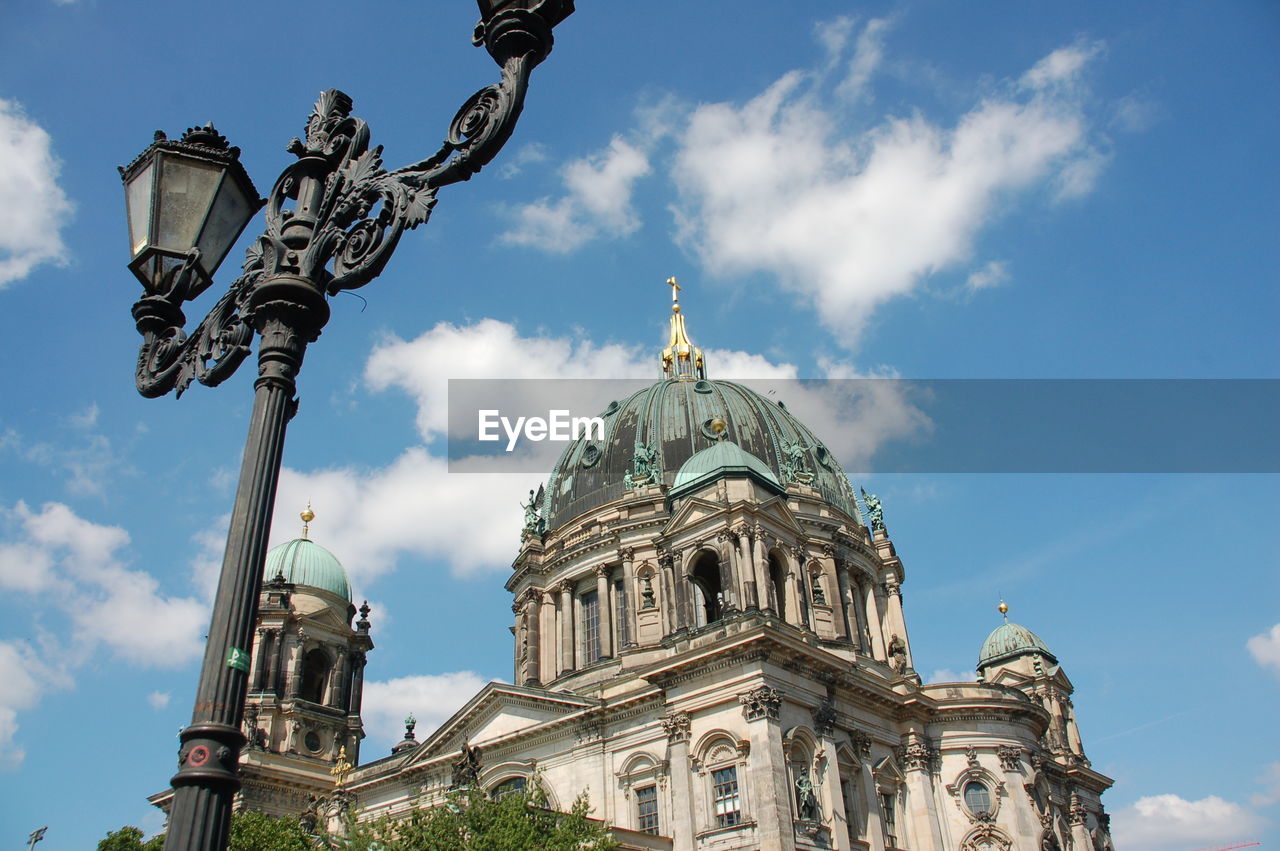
(824, 719)
(627, 553)
(601, 571)
(761, 702)
(564, 586)
(677, 726)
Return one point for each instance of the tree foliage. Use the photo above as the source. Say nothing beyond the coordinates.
(469, 820)
(129, 838)
(250, 831)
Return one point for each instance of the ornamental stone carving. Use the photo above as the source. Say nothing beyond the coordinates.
(824, 719)
(861, 743)
(917, 757)
(971, 756)
(627, 553)
(1010, 757)
(677, 726)
(762, 702)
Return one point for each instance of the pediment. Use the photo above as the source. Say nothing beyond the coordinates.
(776, 510)
(692, 511)
(498, 710)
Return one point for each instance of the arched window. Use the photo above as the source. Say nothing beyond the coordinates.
(778, 579)
(315, 675)
(507, 787)
(705, 577)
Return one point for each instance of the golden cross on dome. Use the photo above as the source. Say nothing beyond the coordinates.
(675, 290)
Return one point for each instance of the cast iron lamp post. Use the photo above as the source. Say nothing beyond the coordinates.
(333, 219)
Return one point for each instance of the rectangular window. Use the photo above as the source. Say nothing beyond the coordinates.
(724, 796)
(647, 810)
(620, 614)
(886, 812)
(590, 627)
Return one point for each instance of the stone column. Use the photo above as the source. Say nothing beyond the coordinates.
(845, 624)
(604, 617)
(731, 598)
(261, 659)
(681, 829)
(832, 801)
(355, 698)
(1078, 817)
(752, 589)
(764, 586)
(275, 678)
(790, 588)
(566, 626)
(670, 605)
(770, 788)
(628, 556)
(918, 759)
(897, 623)
(874, 833)
(337, 679)
(294, 687)
(873, 621)
(533, 637)
(547, 620)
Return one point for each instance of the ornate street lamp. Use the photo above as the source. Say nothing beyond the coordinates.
(333, 219)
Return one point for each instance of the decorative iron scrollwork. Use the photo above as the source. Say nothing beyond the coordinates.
(336, 215)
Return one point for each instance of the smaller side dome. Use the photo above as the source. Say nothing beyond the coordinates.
(304, 562)
(1009, 640)
(725, 458)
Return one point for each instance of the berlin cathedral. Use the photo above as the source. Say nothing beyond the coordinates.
(709, 640)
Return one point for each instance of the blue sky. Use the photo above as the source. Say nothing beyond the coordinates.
(920, 189)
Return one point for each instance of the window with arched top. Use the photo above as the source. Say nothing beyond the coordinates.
(315, 675)
(708, 594)
(509, 786)
(778, 583)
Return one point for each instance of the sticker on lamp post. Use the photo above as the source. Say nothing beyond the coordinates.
(238, 659)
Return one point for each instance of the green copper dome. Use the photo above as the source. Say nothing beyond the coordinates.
(304, 562)
(1011, 639)
(725, 458)
(676, 419)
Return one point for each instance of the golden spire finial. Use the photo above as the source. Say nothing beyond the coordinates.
(307, 516)
(1003, 608)
(681, 358)
(341, 768)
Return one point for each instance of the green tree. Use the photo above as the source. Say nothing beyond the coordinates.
(470, 820)
(250, 831)
(129, 838)
(255, 831)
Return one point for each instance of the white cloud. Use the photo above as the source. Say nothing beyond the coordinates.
(159, 699)
(946, 675)
(430, 698)
(1265, 649)
(847, 221)
(597, 201)
(24, 679)
(1062, 66)
(868, 53)
(33, 207)
(81, 561)
(1172, 822)
(1270, 782)
(530, 154)
(992, 274)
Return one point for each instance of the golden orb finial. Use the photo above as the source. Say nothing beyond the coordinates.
(307, 516)
(1003, 608)
(719, 427)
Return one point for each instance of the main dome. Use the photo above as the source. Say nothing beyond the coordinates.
(304, 562)
(674, 418)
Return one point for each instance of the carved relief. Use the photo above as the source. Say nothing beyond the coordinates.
(677, 726)
(917, 757)
(1010, 757)
(861, 743)
(824, 719)
(762, 702)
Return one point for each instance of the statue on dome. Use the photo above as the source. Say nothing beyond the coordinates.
(793, 466)
(644, 467)
(532, 515)
(875, 513)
